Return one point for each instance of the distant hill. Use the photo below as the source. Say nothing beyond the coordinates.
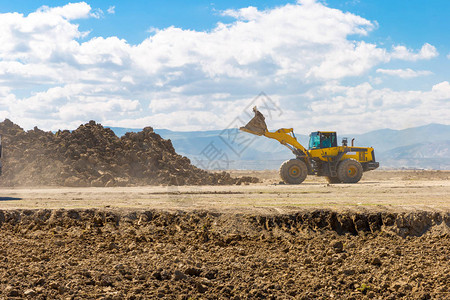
(419, 147)
(387, 139)
(434, 155)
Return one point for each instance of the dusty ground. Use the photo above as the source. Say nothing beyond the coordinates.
(386, 237)
(377, 190)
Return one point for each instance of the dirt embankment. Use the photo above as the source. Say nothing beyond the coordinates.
(94, 156)
(149, 254)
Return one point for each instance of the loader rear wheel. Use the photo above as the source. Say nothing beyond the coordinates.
(293, 171)
(349, 171)
(333, 180)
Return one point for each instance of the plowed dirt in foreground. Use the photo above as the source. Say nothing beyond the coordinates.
(143, 255)
(284, 242)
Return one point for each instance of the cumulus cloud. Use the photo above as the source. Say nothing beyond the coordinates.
(41, 35)
(426, 52)
(247, 14)
(403, 73)
(381, 108)
(54, 75)
(71, 11)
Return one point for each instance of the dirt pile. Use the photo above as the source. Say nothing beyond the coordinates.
(152, 254)
(94, 156)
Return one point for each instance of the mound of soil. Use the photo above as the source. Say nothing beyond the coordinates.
(98, 254)
(94, 156)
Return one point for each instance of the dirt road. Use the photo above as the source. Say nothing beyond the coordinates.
(378, 190)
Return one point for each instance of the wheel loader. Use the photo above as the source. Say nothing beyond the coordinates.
(340, 164)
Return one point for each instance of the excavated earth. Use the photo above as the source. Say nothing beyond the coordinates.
(94, 156)
(314, 254)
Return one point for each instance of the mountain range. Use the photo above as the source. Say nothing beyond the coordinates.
(424, 147)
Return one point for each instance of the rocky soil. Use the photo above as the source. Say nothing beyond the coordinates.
(94, 156)
(317, 254)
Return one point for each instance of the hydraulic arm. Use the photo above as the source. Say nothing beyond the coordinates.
(285, 136)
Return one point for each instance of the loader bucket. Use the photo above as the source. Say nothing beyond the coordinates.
(257, 124)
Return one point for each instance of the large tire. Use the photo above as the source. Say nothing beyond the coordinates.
(349, 171)
(333, 180)
(293, 171)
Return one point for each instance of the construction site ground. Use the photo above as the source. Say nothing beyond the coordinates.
(377, 190)
(386, 237)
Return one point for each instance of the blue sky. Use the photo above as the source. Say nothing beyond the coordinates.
(196, 65)
(399, 22)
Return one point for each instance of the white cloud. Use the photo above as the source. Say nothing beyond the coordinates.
(71, 11)
(196, 80)
(354, 60)
(4, 91)
(426, 52)
(381, 108)
(246, 14)
(404, 73)
(98, 108)
(97, 13)
(442, 90)
(111, 9)
(42, 35)
(375, 80)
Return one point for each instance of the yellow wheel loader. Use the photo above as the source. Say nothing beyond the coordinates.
(340, 164)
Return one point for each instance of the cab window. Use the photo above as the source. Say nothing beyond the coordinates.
(328, 140)
(314, 140)
(319, 140)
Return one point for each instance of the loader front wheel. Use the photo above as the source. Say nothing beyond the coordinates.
(293, 171)
(349, 171)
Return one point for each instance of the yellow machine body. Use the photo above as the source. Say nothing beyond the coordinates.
(323, 158)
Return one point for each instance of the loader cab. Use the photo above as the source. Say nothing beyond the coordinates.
(322, 139)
